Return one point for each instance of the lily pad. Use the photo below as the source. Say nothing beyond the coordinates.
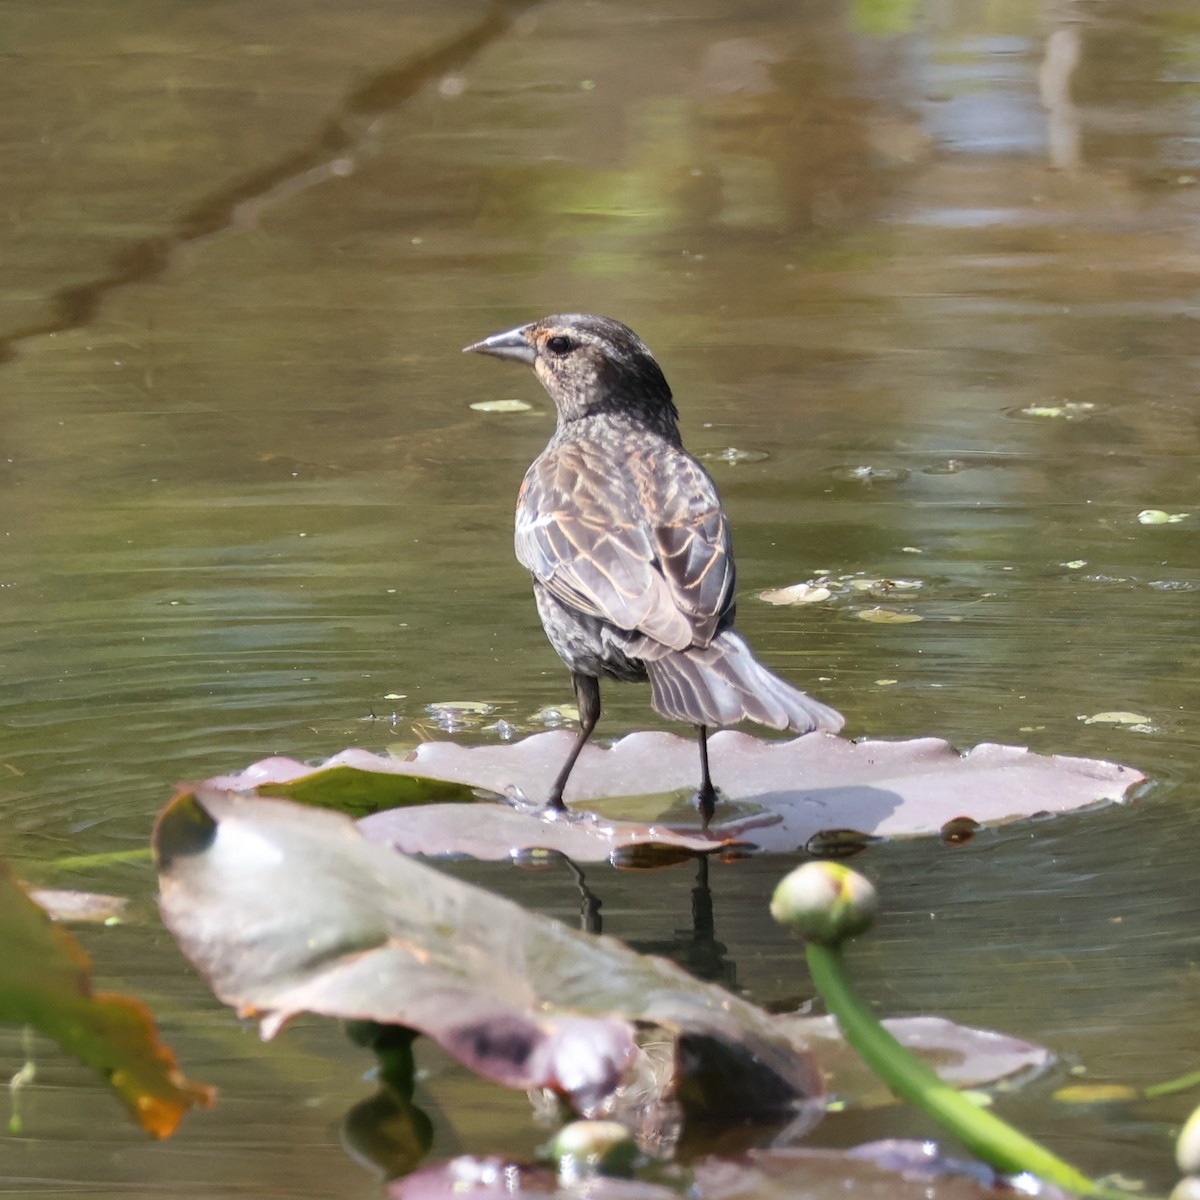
(878, 1171)
(407, 812)
(496, 832)
(1116, 718)
(797, 593)
(288, 909)
(89, 907)
(778, 794)
(888, 616)
(501, 406)
(46, 982)
(963, 1057)
(350, 790)
(1156, 516)
(1062, 410)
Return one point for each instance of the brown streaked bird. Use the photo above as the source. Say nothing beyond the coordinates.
(628, 545)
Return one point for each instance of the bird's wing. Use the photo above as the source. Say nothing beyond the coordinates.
(643, 546)
(691, 536)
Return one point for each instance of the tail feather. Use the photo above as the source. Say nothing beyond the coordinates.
(724, 683)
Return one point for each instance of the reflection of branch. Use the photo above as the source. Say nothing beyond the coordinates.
(329, 154)
(1063, 52)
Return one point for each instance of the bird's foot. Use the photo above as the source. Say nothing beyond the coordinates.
(554, 805)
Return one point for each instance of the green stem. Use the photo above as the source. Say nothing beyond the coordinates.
(980, 1131)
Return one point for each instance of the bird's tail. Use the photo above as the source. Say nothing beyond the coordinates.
(724, 684)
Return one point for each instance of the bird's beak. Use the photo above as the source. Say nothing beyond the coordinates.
(512, 345)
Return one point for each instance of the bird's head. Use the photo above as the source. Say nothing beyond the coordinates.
(588, 365)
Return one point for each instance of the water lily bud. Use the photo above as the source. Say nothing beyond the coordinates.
(1187, 1188)
(826, 901)
(1187, 1146)
(585, 1148)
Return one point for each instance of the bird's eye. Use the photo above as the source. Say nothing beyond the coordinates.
(559, 344)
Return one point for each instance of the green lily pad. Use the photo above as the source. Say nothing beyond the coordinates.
(350, 790)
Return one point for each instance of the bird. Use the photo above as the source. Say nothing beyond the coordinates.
(628, 544)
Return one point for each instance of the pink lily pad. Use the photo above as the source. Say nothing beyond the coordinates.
(878, 1171)
(777, 794)
(286, 908)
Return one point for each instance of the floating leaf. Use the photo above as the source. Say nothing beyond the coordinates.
(288, 909)
(552, 716)
(797, 593)
(45, 981)
(497, 832)
(1156, 516)
(354, 791)
(501, 406)
(965, 1058)
(1096, 1093)
(887, 616)
(1116, 718)
(891, 1170)
(79, 906)
(1063, 410)
(885, 585)
(798, 787)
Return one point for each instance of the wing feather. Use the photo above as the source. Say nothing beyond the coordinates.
(637, 539)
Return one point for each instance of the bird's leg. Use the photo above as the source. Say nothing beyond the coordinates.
(587, 696)
(706, 797)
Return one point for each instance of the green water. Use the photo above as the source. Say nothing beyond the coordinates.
(245, 501)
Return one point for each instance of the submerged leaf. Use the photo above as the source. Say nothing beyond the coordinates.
(45, 981)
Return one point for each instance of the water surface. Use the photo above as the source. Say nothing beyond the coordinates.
(245, 499)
